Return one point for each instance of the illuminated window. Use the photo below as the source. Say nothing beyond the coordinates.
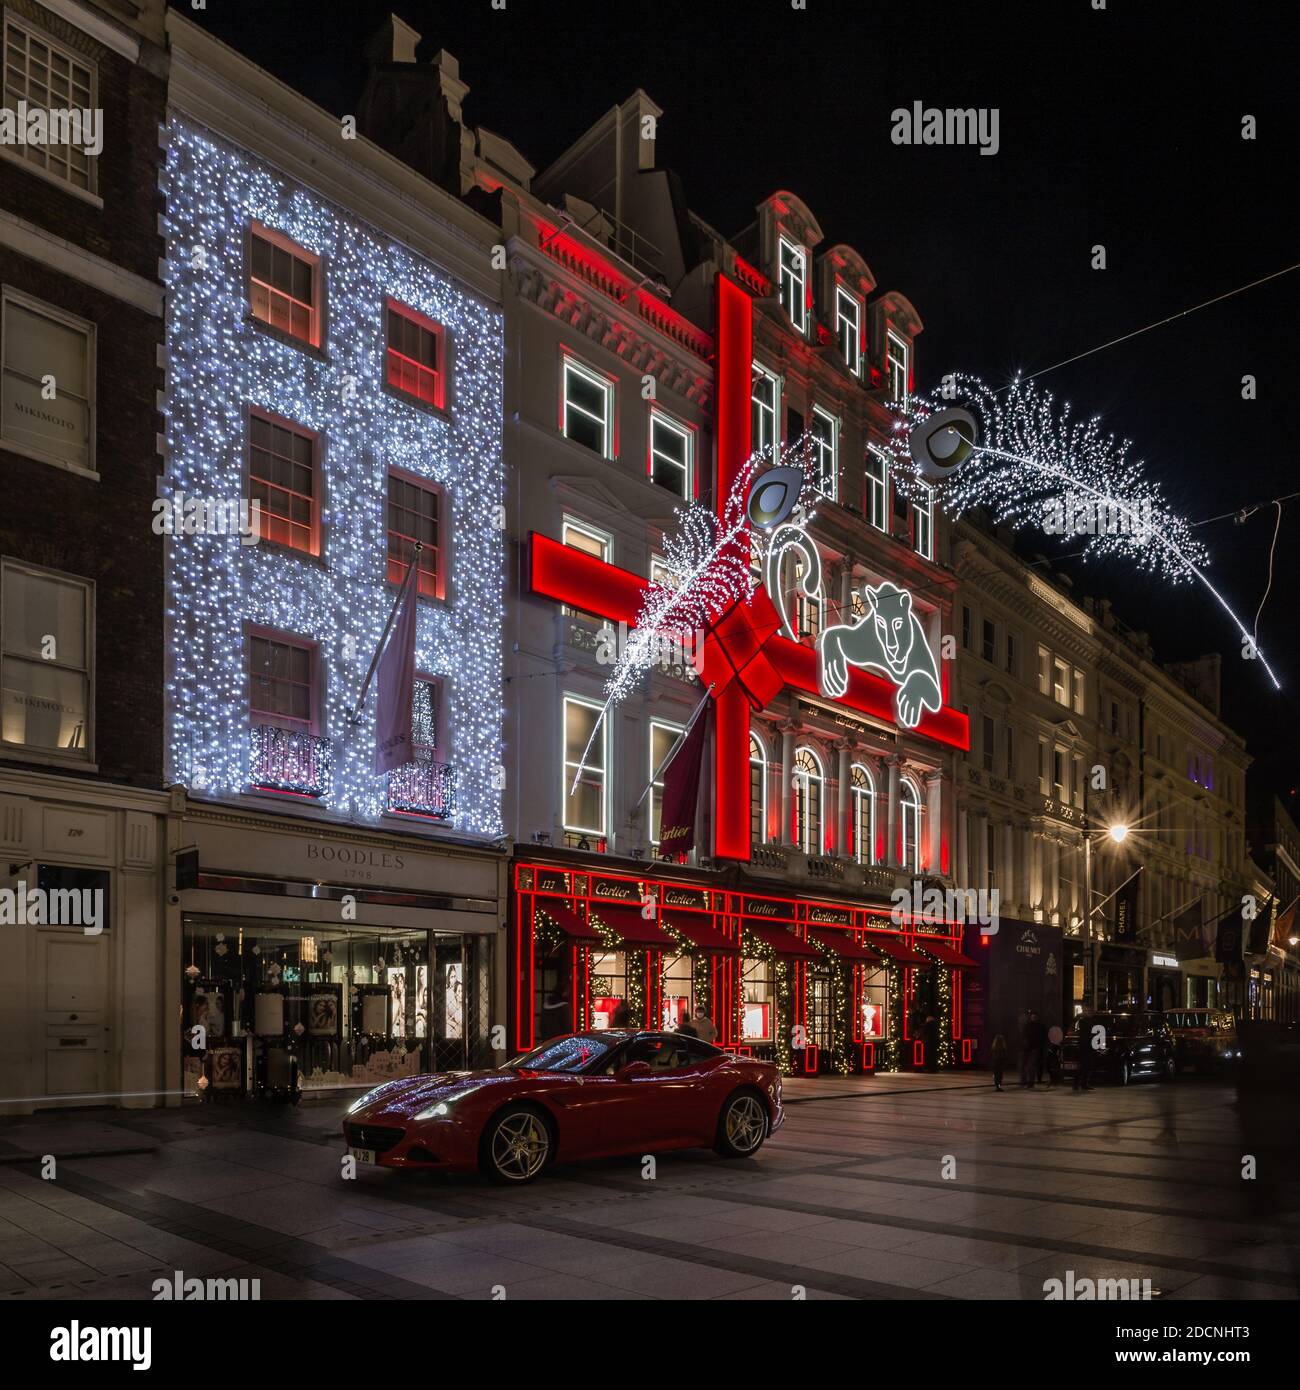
(794, 282)
(864, 815)
(671, 447)
(765, 397)
(48, 77)
(1061, 683)
(415, 514)
(284, 284)
(1044, 671)
(923, 523)
(46, 641)
(896, 368)
(1060, 774)
(877, 490)
(826, 443)
(809, 786)
(39, 344)
(759, 994)
(588, 408)
(282, 479)
(281, 682)
(578, 536)
(807, 611)
(415, 357)
(663, 739)
(848, 325)
(757, 792)
(1080, 690)
(909, 800)
(426, 701)
(584, 804)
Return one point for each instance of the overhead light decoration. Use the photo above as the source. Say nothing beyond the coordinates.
(1031, 462)
(218, 365)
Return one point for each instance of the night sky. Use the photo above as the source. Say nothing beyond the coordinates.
(1120, 126)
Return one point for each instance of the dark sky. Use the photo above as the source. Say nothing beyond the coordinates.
(1119, 126)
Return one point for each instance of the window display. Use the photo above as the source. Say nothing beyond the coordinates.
(608, 986)
(756, 1011)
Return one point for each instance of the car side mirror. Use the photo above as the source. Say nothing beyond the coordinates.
(631, 1071)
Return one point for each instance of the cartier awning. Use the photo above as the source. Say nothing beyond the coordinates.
(696, 929)
(895, 950)
(632, 927)
(568, 921)
(844, 946)
(946, 954)
(782, 941)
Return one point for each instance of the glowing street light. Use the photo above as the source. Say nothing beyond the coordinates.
(1118, 832)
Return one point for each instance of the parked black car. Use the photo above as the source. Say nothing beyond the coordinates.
(1205, 1039)
(1130, 1045)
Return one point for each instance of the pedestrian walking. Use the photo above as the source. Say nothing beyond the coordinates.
(998, 1059)
(1032, 1038)
(1087, 1053)
(703, 1025)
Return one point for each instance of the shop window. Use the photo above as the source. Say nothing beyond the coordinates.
(415, 513)
(896, 355)
(758, 1002)
(848, 327)
(42, 350)
(587, 407)
(826, 452)
(285, 285)
(872, 1023)
(583, 794)
(608, 988)
(283, 479)
(793, 282)
(671, 454)
(46, 645)
(877, 489)
(764, 402)
(678, 984)
(809, 790)
(416, 355)
(910, 808)
(864, 814)
(663, 739)
(48, 77)
(757, 792)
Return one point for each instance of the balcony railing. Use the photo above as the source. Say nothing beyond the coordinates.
(289, 760)
(423, 789)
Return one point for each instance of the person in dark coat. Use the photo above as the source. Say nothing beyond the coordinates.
(998, 1060)
(1033, 1039)
(1087, 1053)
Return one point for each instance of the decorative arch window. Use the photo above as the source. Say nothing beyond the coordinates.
(757, 791)
(910, 805)
(809, 790)
(863, 790)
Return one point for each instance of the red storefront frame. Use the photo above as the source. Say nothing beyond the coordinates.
(709, 919)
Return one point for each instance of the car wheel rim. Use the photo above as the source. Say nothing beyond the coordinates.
(745, 1124)
(520, 1146)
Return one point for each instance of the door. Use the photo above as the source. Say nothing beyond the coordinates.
(76, 1032)
(819, 1013)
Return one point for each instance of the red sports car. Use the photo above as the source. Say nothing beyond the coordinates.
(584, 1095)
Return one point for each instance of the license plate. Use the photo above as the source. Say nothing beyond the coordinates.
(363, 1155)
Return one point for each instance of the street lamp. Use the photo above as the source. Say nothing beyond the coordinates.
(1118, 833)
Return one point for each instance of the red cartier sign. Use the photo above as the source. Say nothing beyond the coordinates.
(746, 661)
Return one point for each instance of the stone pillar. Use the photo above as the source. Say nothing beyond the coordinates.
(962, 873)
(1007, 885)
(934, 818)
(895, 781)
(787, 787)
(844, 749)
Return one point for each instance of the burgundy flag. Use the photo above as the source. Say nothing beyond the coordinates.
(682, 791)
(397, 685)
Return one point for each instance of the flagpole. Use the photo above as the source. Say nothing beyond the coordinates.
(681, 738)
(411, 572)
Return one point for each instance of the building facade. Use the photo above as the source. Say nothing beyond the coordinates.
(335, 356)
(81, 573)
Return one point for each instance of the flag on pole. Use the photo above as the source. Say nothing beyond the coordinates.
(1188, 939)
(396, 676)
(682, 790)
(1126, 910)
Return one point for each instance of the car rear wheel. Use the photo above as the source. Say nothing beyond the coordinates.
(517, 1145)
(742, 1126)
(1125, 1076)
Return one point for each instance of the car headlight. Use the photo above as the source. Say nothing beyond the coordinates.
(443, 1107)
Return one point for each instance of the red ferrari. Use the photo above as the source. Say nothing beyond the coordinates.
(585, 1095)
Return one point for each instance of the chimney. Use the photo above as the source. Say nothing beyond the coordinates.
(393, 42)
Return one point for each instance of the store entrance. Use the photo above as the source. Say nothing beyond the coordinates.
(273, 1006)
(821, 995)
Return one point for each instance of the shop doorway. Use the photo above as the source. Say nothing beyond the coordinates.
(821, 997)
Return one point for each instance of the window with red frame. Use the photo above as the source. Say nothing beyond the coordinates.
(284, 285)
(280, 682)
(282, 478)
(415, 514)
(415, 355)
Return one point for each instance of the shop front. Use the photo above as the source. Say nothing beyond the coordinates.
(1020, 968)
(315, 960)
(1165, 989)
(1120, 972)
(819, 987)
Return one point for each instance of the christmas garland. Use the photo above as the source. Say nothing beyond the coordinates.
(755, 949)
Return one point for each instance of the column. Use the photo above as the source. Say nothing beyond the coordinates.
(981, 851)
(934, 818)
(845, 749)
(963, 848)
(787, 779)
(895, 781)
(1006, 885)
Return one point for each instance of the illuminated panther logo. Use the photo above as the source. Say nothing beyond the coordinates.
(888, 639)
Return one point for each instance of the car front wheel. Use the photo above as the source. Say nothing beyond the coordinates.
(742, 1126)
(1124, 1074)
(516, 1146)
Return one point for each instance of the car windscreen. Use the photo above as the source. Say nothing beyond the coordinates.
(574, 1053)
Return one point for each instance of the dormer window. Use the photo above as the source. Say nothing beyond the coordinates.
(896, 355)
(848, 328)
(794, 282)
